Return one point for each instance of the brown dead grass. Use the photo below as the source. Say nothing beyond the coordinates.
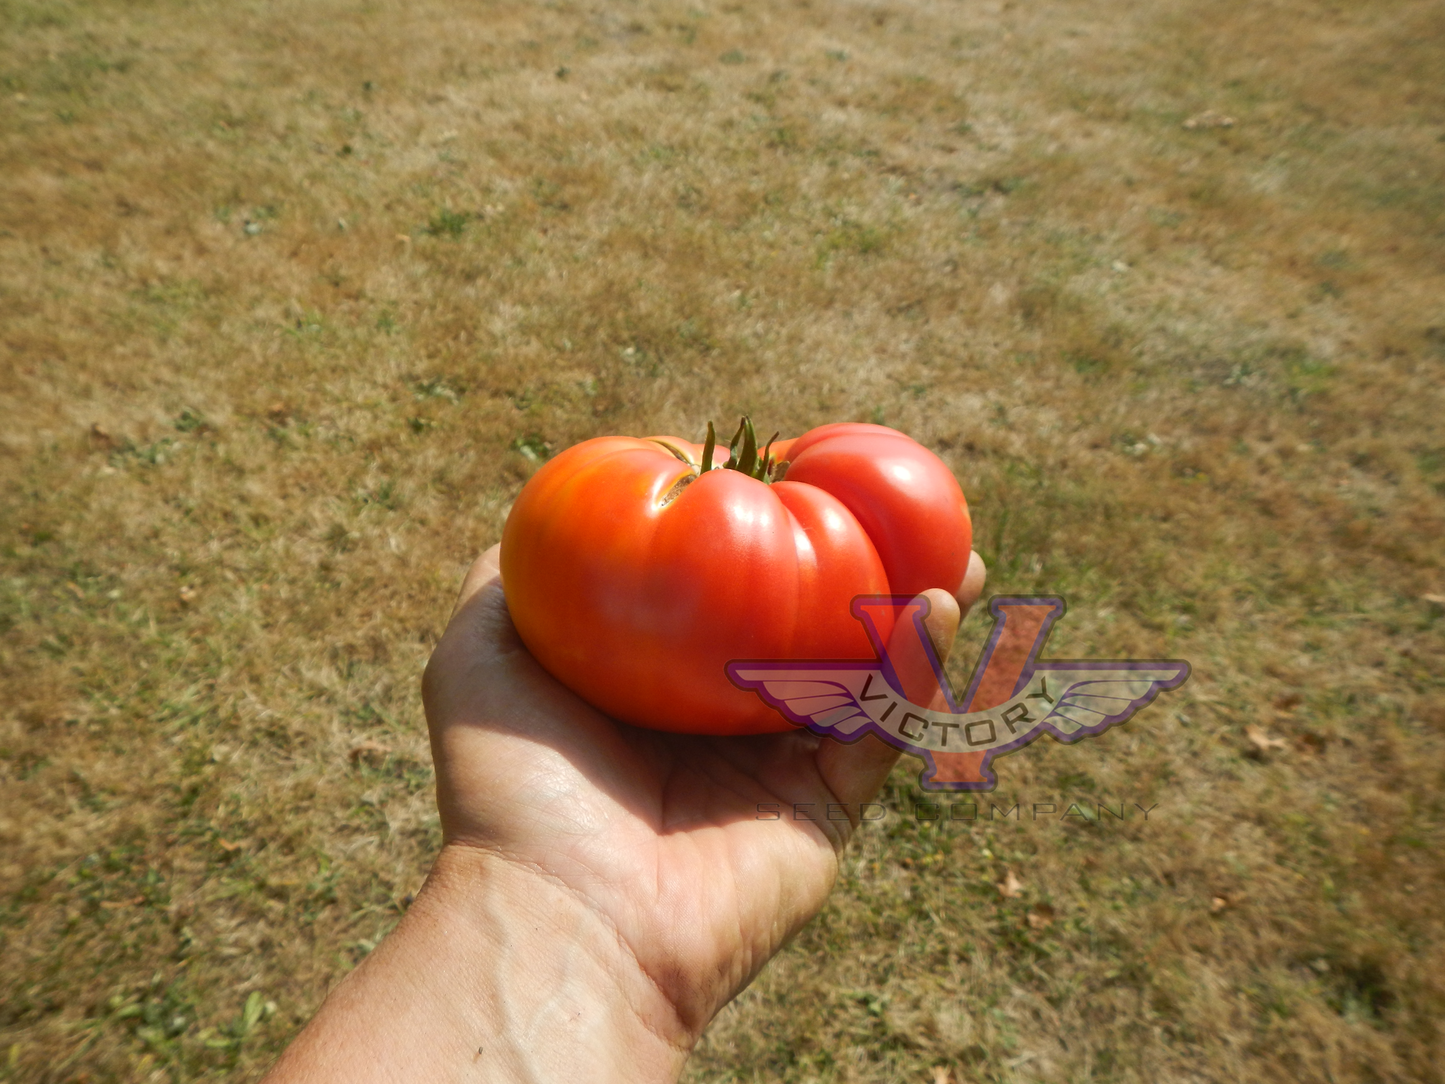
(292, 296)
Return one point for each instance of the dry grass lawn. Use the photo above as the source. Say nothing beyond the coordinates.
(293, 297)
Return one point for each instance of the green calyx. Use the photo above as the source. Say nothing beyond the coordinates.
(748, 461)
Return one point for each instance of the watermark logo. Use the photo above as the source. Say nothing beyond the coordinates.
(902, 696)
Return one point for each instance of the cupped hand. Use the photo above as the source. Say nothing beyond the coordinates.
(668, 839)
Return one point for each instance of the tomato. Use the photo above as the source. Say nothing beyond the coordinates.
(635, 576)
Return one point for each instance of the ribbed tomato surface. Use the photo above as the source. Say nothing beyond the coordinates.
(634, 579)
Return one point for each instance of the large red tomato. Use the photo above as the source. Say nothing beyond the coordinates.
(635, 576)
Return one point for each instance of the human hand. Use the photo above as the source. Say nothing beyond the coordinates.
(658, 834)
(602, 890)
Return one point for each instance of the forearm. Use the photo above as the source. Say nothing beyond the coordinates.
(496, 974)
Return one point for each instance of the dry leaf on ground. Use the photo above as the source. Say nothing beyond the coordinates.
(1041, 917)
(373, 752)
(1224, 901)
(1209, 119)
(942, 1075)
(1262, 742)
(1010, 887)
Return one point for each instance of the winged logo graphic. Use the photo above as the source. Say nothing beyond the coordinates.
(1012, 699)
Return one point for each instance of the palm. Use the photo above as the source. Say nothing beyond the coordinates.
(671, 838)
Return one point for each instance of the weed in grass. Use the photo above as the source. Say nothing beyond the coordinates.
(448, 223)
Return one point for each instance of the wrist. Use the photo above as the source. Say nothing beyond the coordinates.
(497, 973)
(556, 994)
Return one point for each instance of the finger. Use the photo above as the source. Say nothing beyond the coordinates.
(484, 570)
(944, 614)
(480, 629)
(854, 773)
(972, 587)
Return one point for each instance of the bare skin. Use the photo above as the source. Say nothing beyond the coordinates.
(602, 891)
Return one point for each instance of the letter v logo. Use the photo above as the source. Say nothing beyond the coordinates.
(904, 698)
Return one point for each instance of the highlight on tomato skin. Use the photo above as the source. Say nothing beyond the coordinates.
(635, 577)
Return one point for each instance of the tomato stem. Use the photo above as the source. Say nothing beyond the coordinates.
(766, 466)
(748, 461)
(708, 448)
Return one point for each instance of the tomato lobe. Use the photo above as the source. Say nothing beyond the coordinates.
(635, 582)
